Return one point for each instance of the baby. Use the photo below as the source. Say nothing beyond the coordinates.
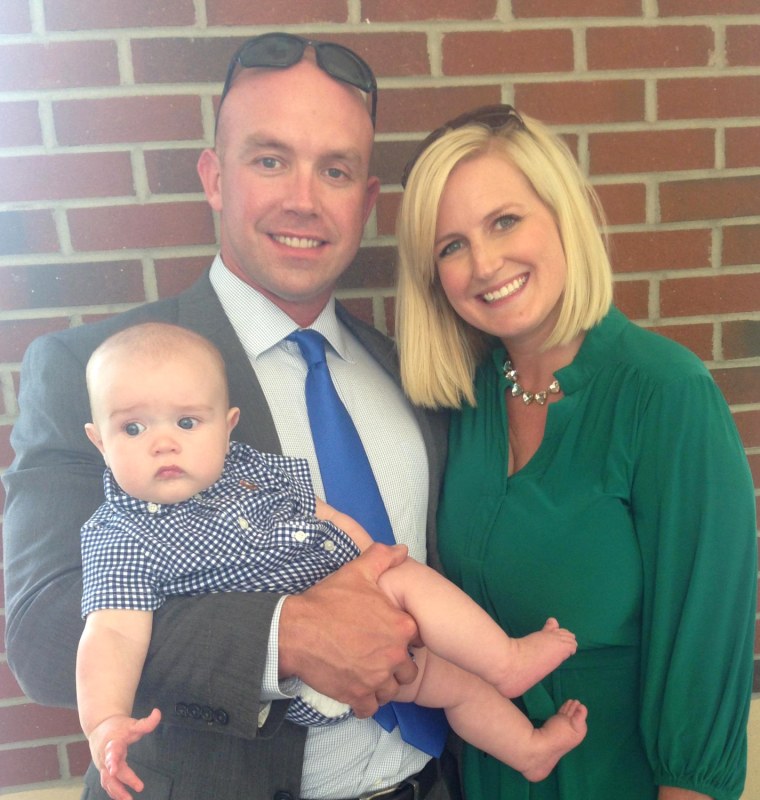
(189, 512)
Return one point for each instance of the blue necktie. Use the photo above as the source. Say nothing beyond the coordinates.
(350, 486)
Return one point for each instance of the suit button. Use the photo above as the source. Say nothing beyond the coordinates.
(194, 710)
(180, 710)
(221, 717)
(281, 795)
(207, 714)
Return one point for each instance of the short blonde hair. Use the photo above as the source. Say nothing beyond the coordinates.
(439, 351)
(159, 341)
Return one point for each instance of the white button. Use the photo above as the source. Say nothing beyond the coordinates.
(300, 536)
(244, 524)
(329, 545)
(153, 507)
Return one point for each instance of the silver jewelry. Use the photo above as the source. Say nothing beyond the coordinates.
(510, 373)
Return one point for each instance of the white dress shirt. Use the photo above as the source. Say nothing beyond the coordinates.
(353, 756)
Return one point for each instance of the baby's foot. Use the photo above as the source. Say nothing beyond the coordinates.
(557, 736)
(533, 657)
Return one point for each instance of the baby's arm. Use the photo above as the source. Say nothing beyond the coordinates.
(347, 524)
(110, 660)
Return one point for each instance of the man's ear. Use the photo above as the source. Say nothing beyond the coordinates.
(370, 198)
(94, 436)
(210, 173)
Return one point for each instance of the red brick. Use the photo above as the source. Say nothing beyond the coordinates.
(748, 424)
(78, 755)
(15, 17)
(389, 306)
(678, 8)
(273, 12)
(360, 307)
(404, 11)
(151, 225)
(24, 130)
(67, 175)
(739, 384)
(711, 98)
(174, 275)
(624, 203)
(722, 294)
(128, 119)
(27, 232)
(651, 151)
(489, 52)
(58, 65)
(741, 244)
(425, 109)
(743, 147)
(28, 765)
(9, 687)
(386, 212)
(583, 103)
(710, 198)
(698, 338)
(646, 251)
(629, 47)
(29, 721)
(173, 171)
(183, 60)
(743, 45)
(632, 298)
(393, 54)
(373, 268)
(65, 285)
(389, 159)
(741, 339)
(75, 15)
(17, 335)
(754, 466)
(576, 8)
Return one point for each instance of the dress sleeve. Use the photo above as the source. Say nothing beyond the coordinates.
(694, 511)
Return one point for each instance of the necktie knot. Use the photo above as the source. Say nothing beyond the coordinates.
(311, 343)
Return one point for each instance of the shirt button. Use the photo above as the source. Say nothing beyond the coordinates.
(329, 545)
(300, 536)
(153, 507)
(244, 524)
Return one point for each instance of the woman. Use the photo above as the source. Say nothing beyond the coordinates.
(595, 473)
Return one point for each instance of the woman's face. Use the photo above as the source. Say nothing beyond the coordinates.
(498, 252)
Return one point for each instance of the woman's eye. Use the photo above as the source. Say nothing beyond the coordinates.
(507, 221)
(187, 423)
(134, 428)
(450, 248)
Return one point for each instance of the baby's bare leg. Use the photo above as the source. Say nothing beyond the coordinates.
(491, 722)
(453, 626)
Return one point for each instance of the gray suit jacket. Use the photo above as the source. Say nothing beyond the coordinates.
(207, 655)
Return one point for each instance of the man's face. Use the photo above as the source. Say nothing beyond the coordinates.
(290, 179)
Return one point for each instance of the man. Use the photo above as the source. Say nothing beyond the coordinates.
(289, 178)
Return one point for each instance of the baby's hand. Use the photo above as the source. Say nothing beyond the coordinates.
(109, 743)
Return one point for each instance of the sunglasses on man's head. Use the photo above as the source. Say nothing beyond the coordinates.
(496, 118)
(282, 50)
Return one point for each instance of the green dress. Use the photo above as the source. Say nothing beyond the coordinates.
(634, 525)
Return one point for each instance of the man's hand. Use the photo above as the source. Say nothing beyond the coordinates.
(344, 638)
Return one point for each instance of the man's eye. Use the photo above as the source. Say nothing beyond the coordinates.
(134, 428)
(187, 423)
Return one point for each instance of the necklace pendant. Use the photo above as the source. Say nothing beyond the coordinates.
(528, 398)
(553, 387)
(516, 389)
(511, 375)
(540, 398)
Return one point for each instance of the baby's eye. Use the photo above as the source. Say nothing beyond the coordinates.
(134, 428)
(187, 423)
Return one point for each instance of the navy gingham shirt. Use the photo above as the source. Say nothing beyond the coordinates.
(252, 530)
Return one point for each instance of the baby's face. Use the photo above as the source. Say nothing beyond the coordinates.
(163, 426)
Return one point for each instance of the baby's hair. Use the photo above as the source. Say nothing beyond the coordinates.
(158, 341)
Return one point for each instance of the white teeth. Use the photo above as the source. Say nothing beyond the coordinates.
(507, 290)
(293, 241)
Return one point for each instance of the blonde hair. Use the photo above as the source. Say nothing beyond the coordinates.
(439, 351)
(157, 341)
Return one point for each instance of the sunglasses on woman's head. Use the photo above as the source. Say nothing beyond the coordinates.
(495, 118)
(283, 50)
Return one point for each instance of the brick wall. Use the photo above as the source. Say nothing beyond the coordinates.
(105, 105)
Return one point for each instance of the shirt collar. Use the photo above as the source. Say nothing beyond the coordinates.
(260, 324)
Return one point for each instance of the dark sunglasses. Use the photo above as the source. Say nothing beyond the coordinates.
(495, 118)
(282, 50)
